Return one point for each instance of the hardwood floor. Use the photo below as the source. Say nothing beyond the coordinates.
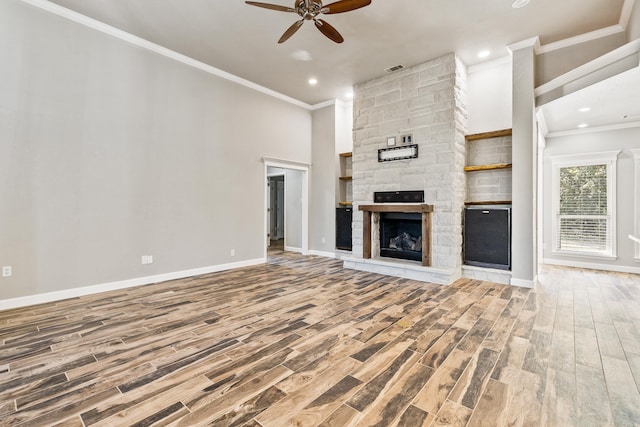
(302, 342)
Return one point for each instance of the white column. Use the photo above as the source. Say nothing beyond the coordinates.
(524, 151)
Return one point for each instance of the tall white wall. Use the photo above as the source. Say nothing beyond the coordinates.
(109, 152)
(489, 96)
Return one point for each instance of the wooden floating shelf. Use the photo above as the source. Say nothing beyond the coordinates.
(487, 167)
(489, 202)
(346, 178)
(487, 135)
(349, 154)
(345, 203)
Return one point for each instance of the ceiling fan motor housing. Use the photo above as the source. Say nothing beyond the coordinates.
(309, 9)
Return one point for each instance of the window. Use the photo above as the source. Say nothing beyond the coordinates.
(584, 204)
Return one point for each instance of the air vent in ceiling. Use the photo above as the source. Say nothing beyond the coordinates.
(394, 68)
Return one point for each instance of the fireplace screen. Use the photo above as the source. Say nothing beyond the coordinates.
(401, 235)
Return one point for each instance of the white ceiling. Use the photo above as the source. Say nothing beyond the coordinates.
(242, 40)
(612, 102)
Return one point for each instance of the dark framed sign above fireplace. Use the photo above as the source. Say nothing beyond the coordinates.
(398, 153)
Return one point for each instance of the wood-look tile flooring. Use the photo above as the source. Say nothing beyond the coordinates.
(302, 342)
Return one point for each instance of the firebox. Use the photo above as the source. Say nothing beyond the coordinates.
(401, 235)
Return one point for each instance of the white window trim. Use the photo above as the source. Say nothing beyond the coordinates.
(609, 158)
(636, 225)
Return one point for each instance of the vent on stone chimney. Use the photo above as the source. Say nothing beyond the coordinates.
(394, 68)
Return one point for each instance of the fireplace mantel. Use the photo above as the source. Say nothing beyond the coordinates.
(397, 207)
(426, 211)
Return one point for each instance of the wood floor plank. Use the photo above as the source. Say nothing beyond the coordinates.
(452, 414)
(592, 400)
(471, 385)
(341, 417)
(492, 409)
(527, 394)
(414, 417)
(623, 392)
(280, 413)
(437, 389)
(397, 398)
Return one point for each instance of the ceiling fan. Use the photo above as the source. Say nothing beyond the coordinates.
(309, 10)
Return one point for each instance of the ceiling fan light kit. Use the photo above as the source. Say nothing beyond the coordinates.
(308, 10)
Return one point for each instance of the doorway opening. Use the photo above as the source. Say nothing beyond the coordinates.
(286, 206)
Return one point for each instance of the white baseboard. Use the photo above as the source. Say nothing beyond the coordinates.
(593, 266)
(523, 283)
(293, 249)
(322, 254)
(122, 284)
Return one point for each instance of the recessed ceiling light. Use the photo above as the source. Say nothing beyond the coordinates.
(313, 81)
(584, 110)
(484, 53)
(301, 55)
(519, 3)
(582, 125)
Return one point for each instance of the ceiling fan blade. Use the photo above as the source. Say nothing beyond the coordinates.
(328, 30)
(271, 6)
(291, 31)
(344, 6)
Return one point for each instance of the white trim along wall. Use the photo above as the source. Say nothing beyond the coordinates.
(122, 284)
(636, 228)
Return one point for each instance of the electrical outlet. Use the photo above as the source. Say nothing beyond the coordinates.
(147, 259)
(324, 240)
(7, 271)
(233, 252)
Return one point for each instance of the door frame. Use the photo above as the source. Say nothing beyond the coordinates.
(298, 166)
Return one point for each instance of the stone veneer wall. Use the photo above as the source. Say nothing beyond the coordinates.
(429, 102)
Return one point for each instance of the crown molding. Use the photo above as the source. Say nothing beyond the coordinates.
(489, 64)
(155, 48)
(542, 122)
(582, 38)
(322, 105)
(594, 129)
(533, 42)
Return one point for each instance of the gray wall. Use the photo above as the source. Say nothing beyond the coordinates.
(323, 181)
(109, 152)
(293, 209)
(624, 140)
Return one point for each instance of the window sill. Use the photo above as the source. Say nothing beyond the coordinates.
(586, 255)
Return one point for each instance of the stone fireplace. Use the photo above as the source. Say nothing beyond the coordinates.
(427, 103)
